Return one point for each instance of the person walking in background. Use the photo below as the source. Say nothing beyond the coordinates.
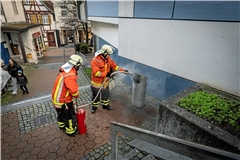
(13, 69)
(64, 90)
(102, 66)
(22, 81)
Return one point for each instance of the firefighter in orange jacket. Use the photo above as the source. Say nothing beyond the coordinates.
(102, 66)
(64, 90)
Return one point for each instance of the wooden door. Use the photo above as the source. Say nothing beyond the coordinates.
(51, 40)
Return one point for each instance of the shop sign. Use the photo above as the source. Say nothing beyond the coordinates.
(36, 34)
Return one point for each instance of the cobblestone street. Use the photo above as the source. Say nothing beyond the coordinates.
(30, 130)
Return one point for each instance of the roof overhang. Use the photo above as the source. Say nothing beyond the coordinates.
(17, 26)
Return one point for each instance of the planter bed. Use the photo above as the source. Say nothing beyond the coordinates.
(175, 121)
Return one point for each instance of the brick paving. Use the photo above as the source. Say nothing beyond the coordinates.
(24, 138)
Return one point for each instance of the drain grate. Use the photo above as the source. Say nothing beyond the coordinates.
(43, 119)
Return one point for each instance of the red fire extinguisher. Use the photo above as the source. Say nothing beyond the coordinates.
(80, 113)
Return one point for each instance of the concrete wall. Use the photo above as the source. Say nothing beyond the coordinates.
(2, 37)
(194, 41)
(160, 84)
(177, 122)
(9, 13)
(204, 52)
(174, 125)
(107, 31)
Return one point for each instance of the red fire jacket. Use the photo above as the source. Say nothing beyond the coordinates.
(100, 67)
(65, 87)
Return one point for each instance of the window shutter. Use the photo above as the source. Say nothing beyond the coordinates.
(40, 18)
(49, 19)
(33, 18)
(32, 1)
(23, 2)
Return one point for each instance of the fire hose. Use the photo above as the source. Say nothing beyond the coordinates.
(77, 107)
(80, 113)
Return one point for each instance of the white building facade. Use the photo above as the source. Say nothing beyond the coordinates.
(66, 24)
(175, 44)
(28, 29)
(12, 11)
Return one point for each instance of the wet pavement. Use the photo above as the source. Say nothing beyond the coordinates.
(30, 130)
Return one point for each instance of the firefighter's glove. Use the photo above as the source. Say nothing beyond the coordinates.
(126, 71)
(109, 74)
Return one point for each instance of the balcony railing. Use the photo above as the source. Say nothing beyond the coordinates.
(182, 147)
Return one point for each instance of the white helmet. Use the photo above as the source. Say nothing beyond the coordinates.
(76, 60)
(106, 49)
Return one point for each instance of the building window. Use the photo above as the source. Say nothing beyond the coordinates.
(45, 19)
(14, 7)
(64, 11)
(27, 1)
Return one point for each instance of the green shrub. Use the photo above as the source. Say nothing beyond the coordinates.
(212, 108)
(84, 48)
(90, 49)
(78, 46)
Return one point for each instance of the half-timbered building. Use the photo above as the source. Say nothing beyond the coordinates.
(42, 12)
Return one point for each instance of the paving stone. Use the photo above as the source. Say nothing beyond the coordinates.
(35, 151)
(61, 146)
(43, 153)
(17, 152)
(28, 147)
(25, 155)
(149, 157)
(134, 152)
(97, 156)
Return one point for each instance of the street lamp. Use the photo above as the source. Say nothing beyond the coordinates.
(73, 29)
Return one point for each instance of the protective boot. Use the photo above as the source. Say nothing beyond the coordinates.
(61, 125)
(107, 107)
(73, 134)
(93, 110)
(70, 129)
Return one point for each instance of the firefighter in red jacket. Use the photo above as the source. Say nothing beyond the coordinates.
(102, 66)
(64, 90)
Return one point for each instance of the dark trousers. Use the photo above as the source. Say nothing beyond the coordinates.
(24, 88)
(67, 118)
(105, 96)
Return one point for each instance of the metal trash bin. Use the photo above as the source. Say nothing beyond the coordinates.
(139, 90)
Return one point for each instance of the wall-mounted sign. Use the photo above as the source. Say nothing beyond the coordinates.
(36, 34)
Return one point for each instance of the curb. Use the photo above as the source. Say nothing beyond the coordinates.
(32, 101)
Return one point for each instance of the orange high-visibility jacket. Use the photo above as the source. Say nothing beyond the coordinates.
(65, 87)
(100, 67)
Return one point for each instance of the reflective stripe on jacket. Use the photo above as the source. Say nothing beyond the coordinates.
(65, 87)
(100, 67)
